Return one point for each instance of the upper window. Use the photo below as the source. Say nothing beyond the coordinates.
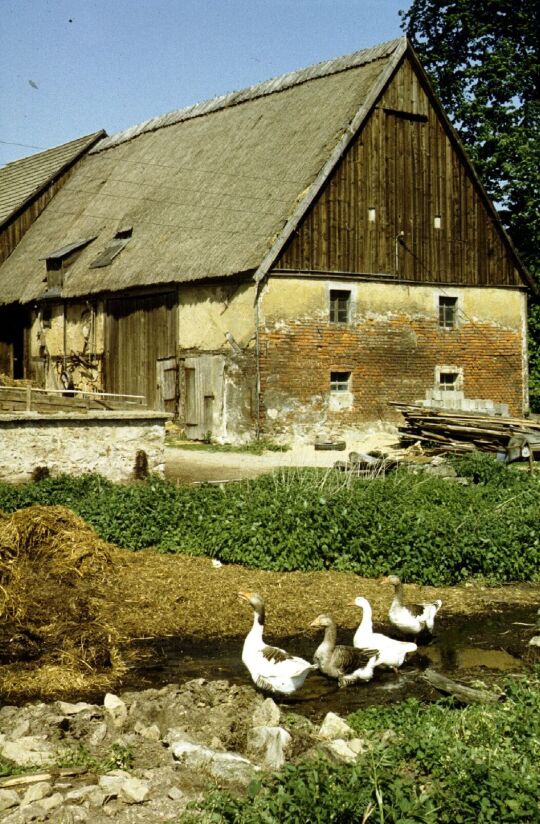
(340, 381)
(449, 381)
(447, 312)
(340, 303)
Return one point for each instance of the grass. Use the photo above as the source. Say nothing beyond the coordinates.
(253, 448)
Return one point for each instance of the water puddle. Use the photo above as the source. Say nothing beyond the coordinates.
(482, 648)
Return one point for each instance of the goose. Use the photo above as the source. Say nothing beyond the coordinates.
(391, 652)
(271, 668)
(345, 663)
(411, 619)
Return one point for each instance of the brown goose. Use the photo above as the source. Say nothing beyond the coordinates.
(410, 618)
(345, 663)
(271, 668)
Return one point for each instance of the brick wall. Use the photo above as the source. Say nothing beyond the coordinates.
(391, 358)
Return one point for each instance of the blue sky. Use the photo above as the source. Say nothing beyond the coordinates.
(71, 67)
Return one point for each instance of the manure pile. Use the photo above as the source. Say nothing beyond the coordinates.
(55, 638)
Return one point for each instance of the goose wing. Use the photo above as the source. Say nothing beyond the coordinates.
(350, 659)
(274, 660)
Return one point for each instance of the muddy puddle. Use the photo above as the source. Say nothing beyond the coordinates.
(481, 648)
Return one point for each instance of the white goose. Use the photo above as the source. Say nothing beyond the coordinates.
(345, 663)
(391, 652)
(411, 619)
(271, 668)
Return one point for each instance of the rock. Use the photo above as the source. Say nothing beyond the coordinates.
(267, 714)
(51, 802)
(334, 727)
(98, 734)
(224, 766)
(134, 791)
(535, 641)
(111, 783)
(340, 751)
(176, 794)
(268, 745)
(8, 799)
(153, 733)
(116, 709)
(28, 751)
(19, 731)
(36, 792)
(92, 794)
(73, 709)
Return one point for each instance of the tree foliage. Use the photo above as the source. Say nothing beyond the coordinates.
(483, 57)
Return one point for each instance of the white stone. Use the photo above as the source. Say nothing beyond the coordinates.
(153, 733)
(341, 751)
(92, 794)
(36, 792)
(134, 791)
(268, 745)
(535, 641)
(20, 730)
(116, 709)
(8, 799)
(111, 783)
(176, 794)
(267, 714)
(28, 751)
(98, 734)
(51, 802)
(72, 709)
(334, 727)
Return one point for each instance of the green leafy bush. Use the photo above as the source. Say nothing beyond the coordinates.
(423, 528)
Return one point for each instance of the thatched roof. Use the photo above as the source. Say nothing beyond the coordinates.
(207, 190)
(25, 178)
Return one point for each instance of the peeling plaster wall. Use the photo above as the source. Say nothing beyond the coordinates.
(209, 316)
(391, 347)
(68, 337)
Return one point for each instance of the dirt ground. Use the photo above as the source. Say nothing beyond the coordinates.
(157, 595)
(160, 595)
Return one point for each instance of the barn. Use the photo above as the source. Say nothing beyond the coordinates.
(281, 261)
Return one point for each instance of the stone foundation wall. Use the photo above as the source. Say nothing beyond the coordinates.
(105, 443)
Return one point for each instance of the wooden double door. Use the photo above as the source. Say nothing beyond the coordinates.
(140, 348)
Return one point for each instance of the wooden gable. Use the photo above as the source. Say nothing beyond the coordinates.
(404, 202)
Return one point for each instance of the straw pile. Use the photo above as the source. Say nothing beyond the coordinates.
(54, 636)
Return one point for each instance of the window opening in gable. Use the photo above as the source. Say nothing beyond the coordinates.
(340, 303)
(447, 312)
(340, 381)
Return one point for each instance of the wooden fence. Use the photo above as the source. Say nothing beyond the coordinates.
(51, 401)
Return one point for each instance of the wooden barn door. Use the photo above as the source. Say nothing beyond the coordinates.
(203, 395)
(140, 348)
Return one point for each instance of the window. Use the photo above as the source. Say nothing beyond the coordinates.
(340, 301)
(340, 381)
(449, 381)
(46, 316)
(447, 312)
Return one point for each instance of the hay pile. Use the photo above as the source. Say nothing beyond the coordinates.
(54, 634)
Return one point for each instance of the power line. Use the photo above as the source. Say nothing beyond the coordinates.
(22, 145)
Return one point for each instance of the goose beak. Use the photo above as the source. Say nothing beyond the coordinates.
(315, 623)
(245, 596)
(385, 580)
(351, 603)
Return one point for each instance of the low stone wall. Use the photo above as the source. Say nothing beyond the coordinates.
(106, 443)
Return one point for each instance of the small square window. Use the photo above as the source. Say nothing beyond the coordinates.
(340, 301)
(340, 381)
(447, 312)
(449, 381)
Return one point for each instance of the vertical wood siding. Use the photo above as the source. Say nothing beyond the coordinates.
(139, 332)
(404, 165)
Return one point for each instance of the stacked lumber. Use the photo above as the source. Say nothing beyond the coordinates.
(460, 431)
